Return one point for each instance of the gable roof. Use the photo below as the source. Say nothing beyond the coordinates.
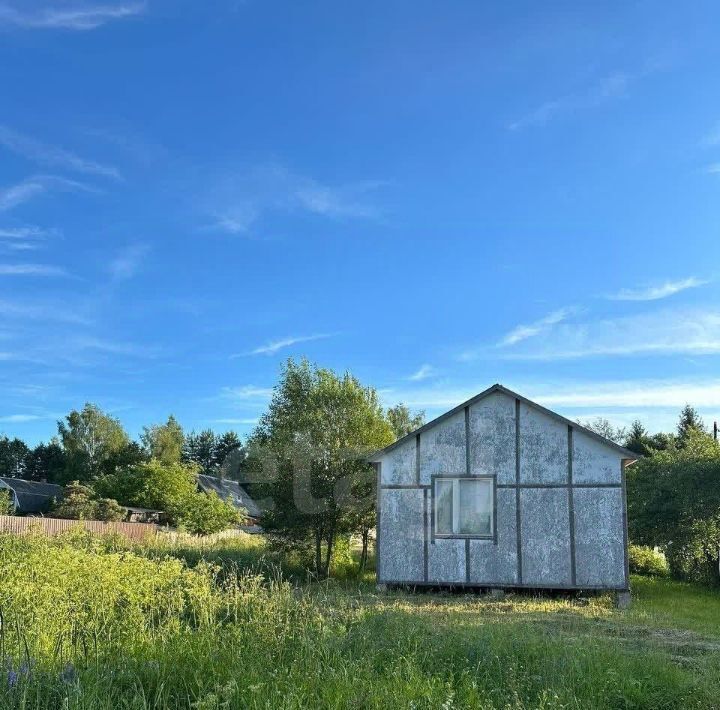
(32, 496)
(625, 453)
(228, 489)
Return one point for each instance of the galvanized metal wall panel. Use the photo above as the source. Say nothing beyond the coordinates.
(593, 462)
(496, 563)
(599, 537)
(442, 449)
(402, 535)
(398, 467)
(492, 437)
(446, 561)
(545, 536)
(543, 447)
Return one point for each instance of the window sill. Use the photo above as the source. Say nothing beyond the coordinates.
(463, 537)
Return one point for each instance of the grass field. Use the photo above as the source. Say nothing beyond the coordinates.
(91, 624)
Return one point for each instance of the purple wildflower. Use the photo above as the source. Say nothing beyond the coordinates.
(12, 678)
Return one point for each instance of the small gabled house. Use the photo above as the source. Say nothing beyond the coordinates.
(231, 491)
(500, 492)
(31, 497)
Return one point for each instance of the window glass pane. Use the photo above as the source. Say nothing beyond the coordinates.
(443, 507)
(475, 507)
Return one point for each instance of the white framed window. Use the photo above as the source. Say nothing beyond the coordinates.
(464, 506)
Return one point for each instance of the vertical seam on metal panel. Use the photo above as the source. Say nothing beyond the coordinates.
(625, 525)
(571, 508)
(467, 473)
(425, 534)
(467, 560)
(378, 554)
(432, 510)
(417, 459)
(495, 488)
(517, 492)
(467, 440)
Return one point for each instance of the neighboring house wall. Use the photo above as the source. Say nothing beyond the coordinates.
(558, 499)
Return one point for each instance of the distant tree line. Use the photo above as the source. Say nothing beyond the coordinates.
(307, 457)
(91, 443)
(103, 469)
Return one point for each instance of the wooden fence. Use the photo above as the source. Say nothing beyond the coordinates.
(56, 526)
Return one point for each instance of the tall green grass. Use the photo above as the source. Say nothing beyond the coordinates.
(93, 623)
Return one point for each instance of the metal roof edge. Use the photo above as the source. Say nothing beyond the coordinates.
(497, 387)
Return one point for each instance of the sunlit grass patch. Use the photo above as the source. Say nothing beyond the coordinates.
(100, 623)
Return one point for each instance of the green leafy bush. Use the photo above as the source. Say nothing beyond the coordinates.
(673, 501)
(205, 514)
(172, 488)
(6, 507)
(80, 502)
(645, 560)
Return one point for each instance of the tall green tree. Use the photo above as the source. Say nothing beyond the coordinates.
(638, 440)
(690, 420)
(46, 462)
(318, 428)
(13, 453)
(403, 421)
(605, 428)
(229, 455)
(94, 444)
(164, 442)
(201, 449)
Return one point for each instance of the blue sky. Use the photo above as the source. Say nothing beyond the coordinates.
(434, 195)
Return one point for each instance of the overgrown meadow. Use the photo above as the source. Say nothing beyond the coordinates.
(100, 623)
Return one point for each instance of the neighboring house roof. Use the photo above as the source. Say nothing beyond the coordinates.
(626, 453)
(135, 509)
(231, 490)
(32, 496)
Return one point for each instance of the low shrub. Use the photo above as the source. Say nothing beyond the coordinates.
(645, 560)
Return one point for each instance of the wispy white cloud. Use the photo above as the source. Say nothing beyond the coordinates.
(31, 270)
(274, 346)
(35, 186)
(73, 16)
(663, 332)
(424, 372)
(20, 246)
(523, 332)
(24, 238)
(114, 347)
(21, 192)
(608, 88)
(56, 312)
(654, 293)
(246, 393)
(236, 422)
(635, 394)
(23, 233)
(239, 202)
(128, 262)
(19, 418)
(713, 169)
(52, 156)
(655, 402)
